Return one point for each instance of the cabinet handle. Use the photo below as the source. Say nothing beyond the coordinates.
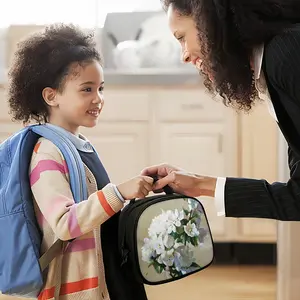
(220, 143)
(192, 106)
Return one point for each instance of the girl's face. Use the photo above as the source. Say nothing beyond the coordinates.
(81, 101)
(185, 31)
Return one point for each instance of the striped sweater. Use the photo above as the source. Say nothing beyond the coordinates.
(82, 269)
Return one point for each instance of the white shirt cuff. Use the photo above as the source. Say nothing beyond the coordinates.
(220, 196)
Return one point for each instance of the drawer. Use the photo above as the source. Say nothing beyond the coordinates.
(188, 105)
(125, 105)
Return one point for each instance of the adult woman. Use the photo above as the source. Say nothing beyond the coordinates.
(243, 47)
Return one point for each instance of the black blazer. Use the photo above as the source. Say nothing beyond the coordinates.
(257, 198)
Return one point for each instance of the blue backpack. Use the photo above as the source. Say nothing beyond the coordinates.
(20, 238)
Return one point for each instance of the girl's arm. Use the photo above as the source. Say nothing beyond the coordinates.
(51, 189)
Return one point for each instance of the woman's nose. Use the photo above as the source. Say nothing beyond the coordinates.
(186, 58)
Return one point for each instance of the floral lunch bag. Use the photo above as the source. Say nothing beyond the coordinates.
(165, 237)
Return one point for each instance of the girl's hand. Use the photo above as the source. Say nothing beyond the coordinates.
(137, 187)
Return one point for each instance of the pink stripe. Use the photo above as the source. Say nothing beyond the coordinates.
(65, 166)
(74, 228)
(45, 165)
(57, 205)
(81, 245)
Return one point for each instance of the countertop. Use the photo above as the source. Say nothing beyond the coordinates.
(157, 77)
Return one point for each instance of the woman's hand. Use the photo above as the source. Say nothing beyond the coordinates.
(181, 181)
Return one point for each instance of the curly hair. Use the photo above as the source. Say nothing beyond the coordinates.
(42, 60)
(228, 30)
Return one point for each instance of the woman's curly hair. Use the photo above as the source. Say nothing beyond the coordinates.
(228, 32)
(43, 60)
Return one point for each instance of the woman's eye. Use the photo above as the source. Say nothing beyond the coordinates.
(87, 90)
(101, 88)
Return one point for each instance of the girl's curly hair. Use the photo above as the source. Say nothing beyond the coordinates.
(43, 60)
(228, 32)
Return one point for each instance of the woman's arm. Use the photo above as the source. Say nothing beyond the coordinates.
(251, 198)
(258, 198)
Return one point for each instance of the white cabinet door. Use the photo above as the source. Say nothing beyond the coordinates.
(122, 135)
(122, 147)
(198, 147)
(258, 160)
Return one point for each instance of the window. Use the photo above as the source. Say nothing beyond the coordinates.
(38, 12)
(86, 13)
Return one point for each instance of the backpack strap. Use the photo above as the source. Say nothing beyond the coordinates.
(78, 188)
(72, 157)
(52, 252)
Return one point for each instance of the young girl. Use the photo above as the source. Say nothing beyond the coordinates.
(57, 78)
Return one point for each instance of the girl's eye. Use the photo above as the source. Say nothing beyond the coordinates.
(87, 90)
(101, 88)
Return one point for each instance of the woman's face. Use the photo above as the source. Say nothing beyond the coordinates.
(185, 31)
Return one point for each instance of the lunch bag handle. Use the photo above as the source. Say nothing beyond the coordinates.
(167, 189)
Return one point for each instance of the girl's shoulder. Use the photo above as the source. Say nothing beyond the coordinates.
(44, 149)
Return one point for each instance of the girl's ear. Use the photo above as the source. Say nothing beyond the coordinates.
(49, 95)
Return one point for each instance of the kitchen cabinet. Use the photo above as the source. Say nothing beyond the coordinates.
(144, 126)
(258, 148)
(198, 134)
(185, 127)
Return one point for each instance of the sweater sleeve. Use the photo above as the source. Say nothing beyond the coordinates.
(51, 190)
